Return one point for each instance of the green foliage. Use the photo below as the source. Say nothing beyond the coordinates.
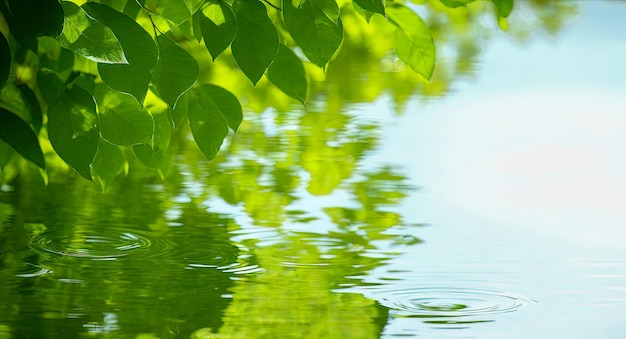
(31, 105)
(207, 122)
(174, 11)
(89, 38)
(456, 3)
(256, 43)
(287, 73)
(15, 132)
(414, 43)
(158, 156)
(105, 81)
(375, 6)
(108, 163)
(218, 26)
(122, 121)
(139, 48)
(38, 17)
(175, 72)
(5, 60)
(73, 129)
(329, 7)
(504, 7)
(211, 111)
(318, 35)
(50, 85)
(223, 102)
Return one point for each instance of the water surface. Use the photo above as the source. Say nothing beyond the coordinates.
(495, 211)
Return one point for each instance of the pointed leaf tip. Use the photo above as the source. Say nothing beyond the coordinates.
(218, 26)
(175, 72)
(312, 29)
(208, 125)
(139, 49)
(256, 44)
(375, 6)
(17, 134)
(287, 73)
(73, 129)
(89, 38)
(413, 40)
(505, 7)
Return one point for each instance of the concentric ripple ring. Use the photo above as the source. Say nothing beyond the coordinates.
(101, 243)
(432, 302)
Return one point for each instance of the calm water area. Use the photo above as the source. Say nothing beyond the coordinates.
(497, 210)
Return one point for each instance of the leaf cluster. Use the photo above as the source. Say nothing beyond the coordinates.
(97, 82)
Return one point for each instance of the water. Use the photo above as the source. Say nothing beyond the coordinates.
(493, 212)
(523, 184)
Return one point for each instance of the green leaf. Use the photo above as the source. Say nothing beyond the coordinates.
(178, 114)
(62, 62)
(16, 132)
(159, 157)
(89, 38)
(11, 100)
(175, 72)
(5, 60)
(107, 163)
(21, 36)
(195, 25)
(73, 129)
(218, 26)
(162, 131)
(375, 6)
(174, 11)
(456, 3)
(208, 125)
(330, 9)
(50, 85)
(225, 102)
(24, 38)
(367, 15)
(287, 73)
(131, 8)
(193, 5)
(122, 121)
(32, 105)
(256, 44)
(413, 40)
(139, 48)
(38, 17)
(504, 7)
(86, 81)
(317, 35)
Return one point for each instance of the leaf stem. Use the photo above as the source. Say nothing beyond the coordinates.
(272, 5)
(154, 27)
(145, 8)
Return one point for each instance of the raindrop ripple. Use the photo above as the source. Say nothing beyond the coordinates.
(101, 243)
(32, 270)
(436, 302)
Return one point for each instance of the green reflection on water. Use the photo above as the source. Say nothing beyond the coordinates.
(163, 259)
(255, 244)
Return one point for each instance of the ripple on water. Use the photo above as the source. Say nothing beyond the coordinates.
(217, 255)
(32, 270)
(221, 256)
(100, 243)
(439, 302)
(303, 250)
(315, 251)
